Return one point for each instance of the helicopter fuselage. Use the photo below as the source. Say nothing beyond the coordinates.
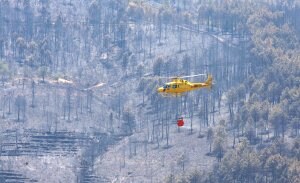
(178, 86)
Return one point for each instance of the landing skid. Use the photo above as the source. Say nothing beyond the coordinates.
(173, 94)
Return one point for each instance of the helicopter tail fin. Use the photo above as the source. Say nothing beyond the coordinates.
(209, 80)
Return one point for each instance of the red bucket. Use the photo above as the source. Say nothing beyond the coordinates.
(180, 122)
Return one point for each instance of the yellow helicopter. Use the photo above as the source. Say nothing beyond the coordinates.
(178, 85)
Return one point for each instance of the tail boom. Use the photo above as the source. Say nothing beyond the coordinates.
(206, 84)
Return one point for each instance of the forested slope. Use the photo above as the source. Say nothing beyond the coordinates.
(267, 114)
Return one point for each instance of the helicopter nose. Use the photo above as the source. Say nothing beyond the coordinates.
(160, 89)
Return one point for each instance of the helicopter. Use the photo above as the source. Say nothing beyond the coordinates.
(179, 85)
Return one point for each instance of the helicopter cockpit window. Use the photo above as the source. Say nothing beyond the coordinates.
(174, 86)
(166, 86)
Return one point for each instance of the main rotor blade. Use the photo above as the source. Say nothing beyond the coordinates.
(195, 75)
(171, 77)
